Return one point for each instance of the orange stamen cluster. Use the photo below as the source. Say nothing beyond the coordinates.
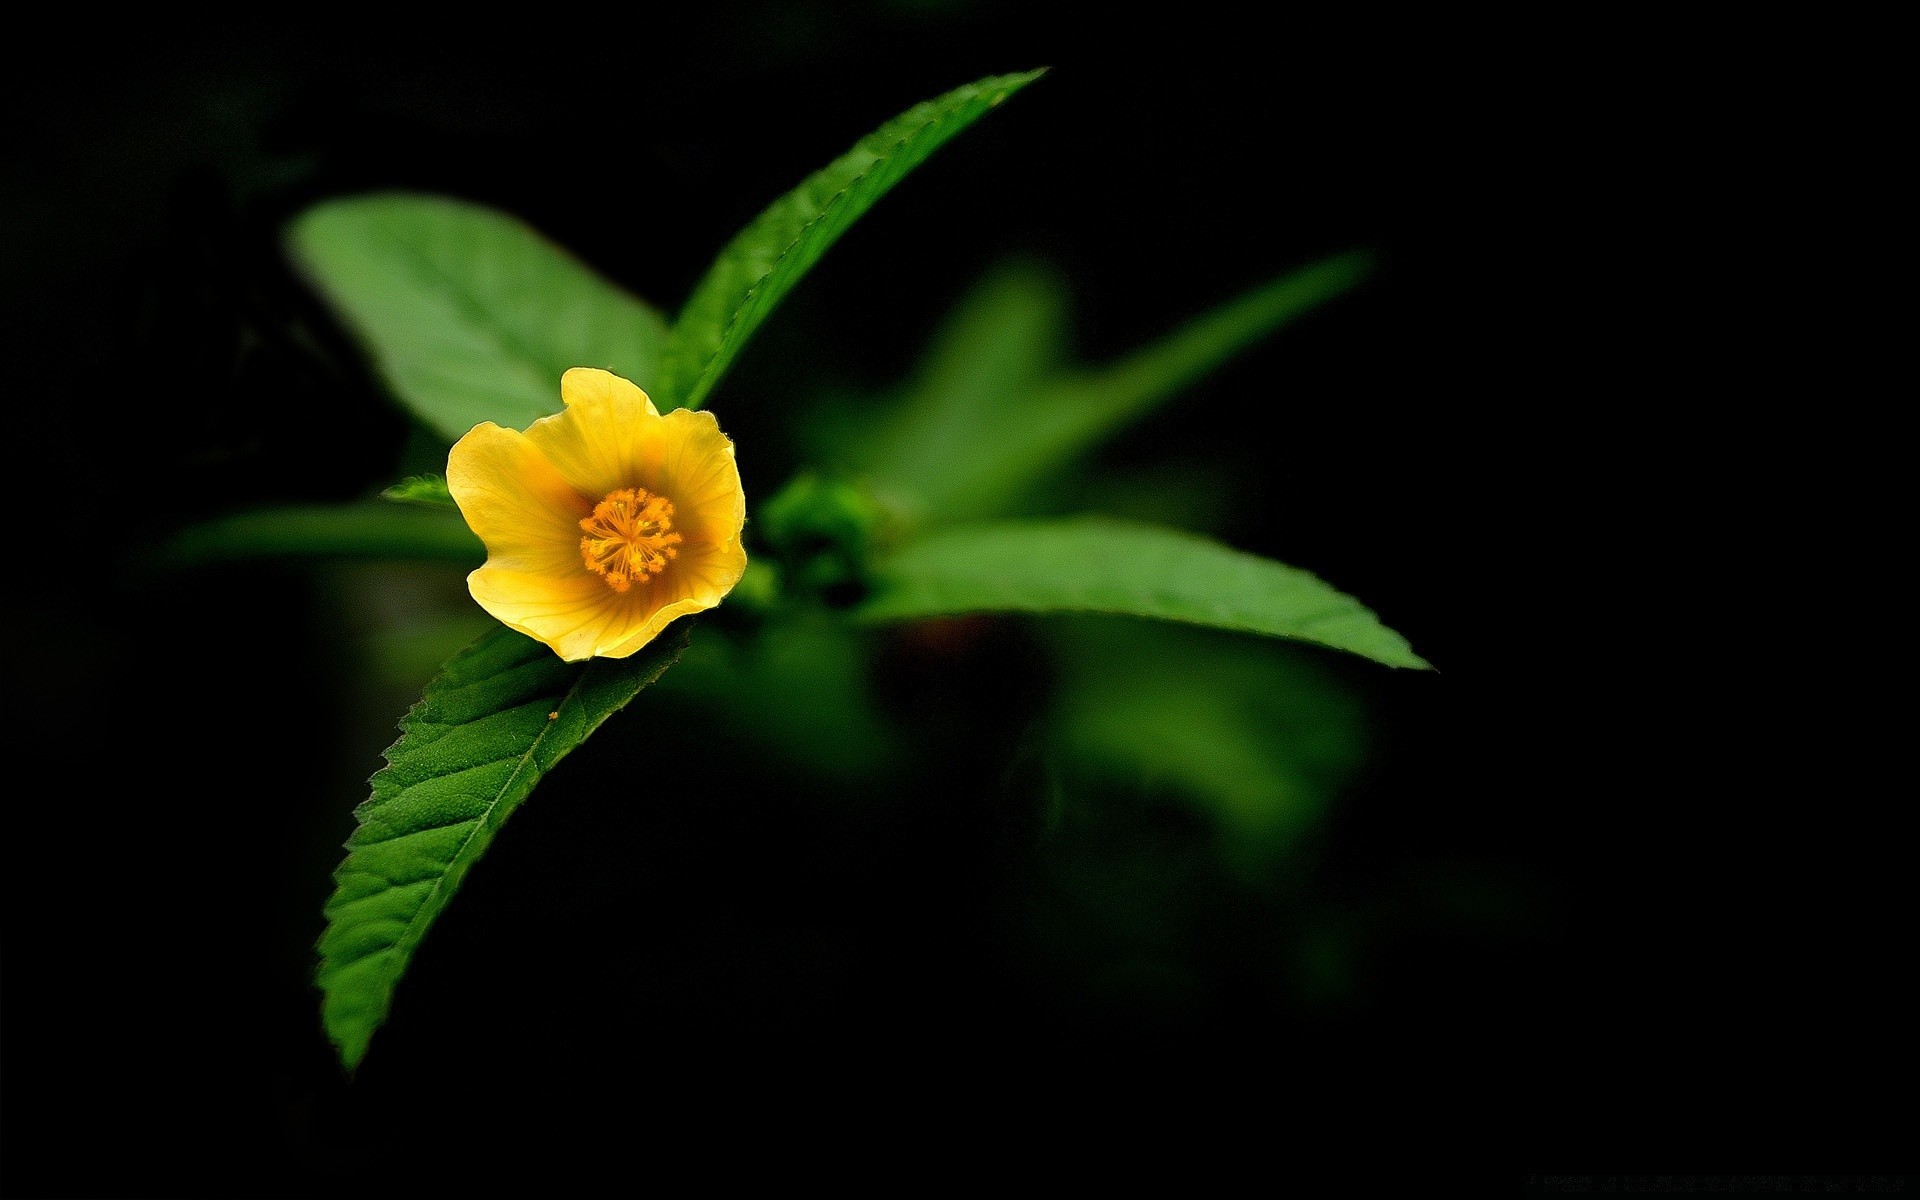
(629, 537)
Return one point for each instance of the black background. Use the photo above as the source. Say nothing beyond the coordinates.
(1523, 443)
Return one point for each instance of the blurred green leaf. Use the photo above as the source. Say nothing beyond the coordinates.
(1259, 736)
(1185, 492)
(469, 315)
(498, 718)
(1003, 339)
(405, 620)
(421, 489)
(990, 418)
(798, 689)
(366, 530)
(822, 530)
(811, 510)
(1092, 564)
(765, 260)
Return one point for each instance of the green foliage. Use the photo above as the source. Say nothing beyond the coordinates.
(765, 260)
(1102, 565)
(990, 359)
(811, 509)
(365, 530)
(421, 489)
(991, 415)
(497, 719)
(469, 315)
(1255, 735)
(823, 529)
(795, 689)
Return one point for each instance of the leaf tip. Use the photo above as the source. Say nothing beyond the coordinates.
(1013, 83)
(352, 1052)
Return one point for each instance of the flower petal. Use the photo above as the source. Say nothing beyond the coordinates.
(699, 474)
(573, 613)
(606, 438)
(578, 615)
(705, 574)
(651, 627)
(515, 501)
(698, 580)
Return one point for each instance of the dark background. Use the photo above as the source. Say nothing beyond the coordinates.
(1624, 899)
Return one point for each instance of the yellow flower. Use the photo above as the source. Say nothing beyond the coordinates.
(602, 522)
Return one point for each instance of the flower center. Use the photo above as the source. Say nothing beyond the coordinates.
(629, 536)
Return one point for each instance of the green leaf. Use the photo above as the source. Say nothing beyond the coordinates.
(1092, 564)
(766, 259)
(990, 358)
(421, 489)
(1258, 736)
(1020, 435)
(368, 530)
(500, 715)
(798, 688)
(468, 314)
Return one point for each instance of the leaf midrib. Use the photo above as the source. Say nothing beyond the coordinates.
(466, 306)
(407, 938)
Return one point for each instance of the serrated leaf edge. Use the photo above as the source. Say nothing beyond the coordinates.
(425, 913)
(972, 91)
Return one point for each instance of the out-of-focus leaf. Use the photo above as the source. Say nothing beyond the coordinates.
(766, 259)
(975, 445)
(1101, 565)
(469, 315)
(798, 690)
(1259, 736)
(1005, 338)
(1073, 414)
(366, 530)
(1187, 492)
(404, 621)
(421, 489)
(499, 716)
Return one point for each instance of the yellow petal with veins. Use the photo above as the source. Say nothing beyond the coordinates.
(514, 500)
(607, 437)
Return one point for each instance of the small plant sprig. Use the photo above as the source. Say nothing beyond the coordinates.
(609, 512)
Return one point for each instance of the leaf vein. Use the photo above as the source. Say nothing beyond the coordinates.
(510, 346)
(391, 838)
(480, 822)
